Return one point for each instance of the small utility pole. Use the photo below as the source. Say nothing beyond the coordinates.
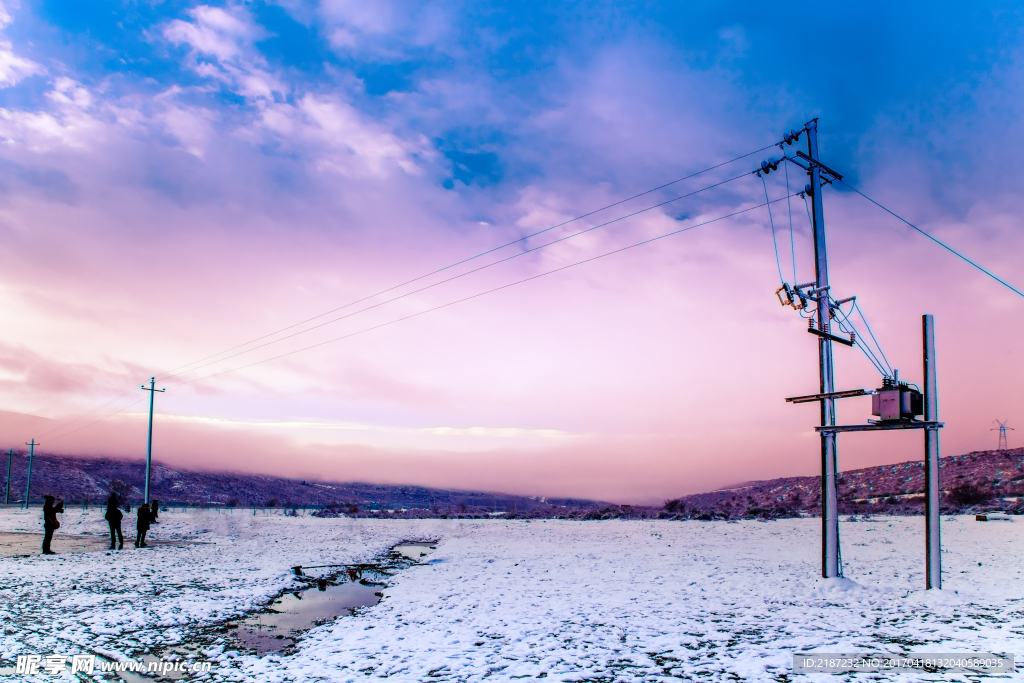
(10, 457)
(149, 442)
(829, 463)
(28, 480)
(932, 491)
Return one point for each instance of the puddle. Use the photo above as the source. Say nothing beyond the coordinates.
(278, 629)
(415, 550)
(333, 592)
(337, 592)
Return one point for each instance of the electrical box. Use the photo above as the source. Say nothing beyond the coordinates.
(896, 402)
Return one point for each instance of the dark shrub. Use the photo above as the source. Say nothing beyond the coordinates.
(966, 495)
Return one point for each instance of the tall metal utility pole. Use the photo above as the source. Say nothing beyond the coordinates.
(10, 457)
(28, 480)
(149, 442)
(892, 393)
(1002, 434)
(829, 463)
(932, 491)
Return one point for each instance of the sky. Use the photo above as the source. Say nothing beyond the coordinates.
(178, 180)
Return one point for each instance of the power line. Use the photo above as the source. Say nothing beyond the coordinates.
(792, 240)
(775, 244)
(938, 241)
(166, 376)
(87, 414)
(120, 410)
(442, 306)
(421, 277)
(472, 258)
(484, 293)
(881, 351)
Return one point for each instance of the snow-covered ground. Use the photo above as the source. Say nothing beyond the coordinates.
(497, 600)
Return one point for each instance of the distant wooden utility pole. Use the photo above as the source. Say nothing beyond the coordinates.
(28, 480)
(10, 457)
(149, 442)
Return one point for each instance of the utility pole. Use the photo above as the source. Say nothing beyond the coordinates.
(1002, 433)
(896, 404)
(28, 480)
(149, 442)
(932, 491)
(10, 457)
(829, 463)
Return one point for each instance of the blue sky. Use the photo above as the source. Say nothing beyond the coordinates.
(919, 63)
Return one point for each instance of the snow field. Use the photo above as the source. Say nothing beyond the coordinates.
(502, 600)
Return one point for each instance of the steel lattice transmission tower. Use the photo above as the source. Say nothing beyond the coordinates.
(1002, 433)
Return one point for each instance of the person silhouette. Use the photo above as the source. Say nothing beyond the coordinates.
(114, 517)
(142, 525)
(50, 522)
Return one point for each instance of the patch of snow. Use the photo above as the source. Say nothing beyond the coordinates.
(502, 599)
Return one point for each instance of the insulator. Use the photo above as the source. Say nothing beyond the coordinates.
(809, 190)
(766, 167)
(795, 135)
(788, 138)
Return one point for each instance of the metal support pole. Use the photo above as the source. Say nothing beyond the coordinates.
(829, 463)
(932, 491)
(149, 442)
(28, 479)
(10, 457)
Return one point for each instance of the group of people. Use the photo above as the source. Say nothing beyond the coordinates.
(145, 516)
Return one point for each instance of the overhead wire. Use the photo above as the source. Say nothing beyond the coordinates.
(792, 239)
(86, 414)
(524, 252)
(105, 417)
(937, 241)
(845, 323)
(479, 255)
(775, 244)
(871, 332)
(849, 327)
(481, 294)
(421, 277)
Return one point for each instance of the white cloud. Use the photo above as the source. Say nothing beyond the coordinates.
(385, 28)
(13, 68)
(227, 36)
(67, 126)
(337, 136)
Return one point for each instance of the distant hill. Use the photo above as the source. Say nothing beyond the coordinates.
(989, 480)
(982, 480)
(78, 480)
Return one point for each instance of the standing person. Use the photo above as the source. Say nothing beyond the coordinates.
(154, 511)
(50, 522)
(142, 525)
(114, 518)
